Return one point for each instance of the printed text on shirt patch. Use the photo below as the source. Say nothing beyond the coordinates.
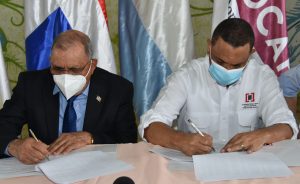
(249, 102)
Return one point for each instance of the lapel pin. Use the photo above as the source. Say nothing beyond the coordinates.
(98, 98)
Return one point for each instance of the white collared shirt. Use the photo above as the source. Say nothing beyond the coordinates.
(191, 93)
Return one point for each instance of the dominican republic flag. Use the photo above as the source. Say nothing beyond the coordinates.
(268, 20)
(155, 39)
(45, 19)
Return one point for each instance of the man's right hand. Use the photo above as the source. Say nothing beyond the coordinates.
(189, 143)
(28, 150)
(194, 143)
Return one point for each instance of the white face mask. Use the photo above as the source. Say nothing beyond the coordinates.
(70, 84)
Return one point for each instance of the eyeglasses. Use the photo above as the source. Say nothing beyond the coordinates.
(72, 70)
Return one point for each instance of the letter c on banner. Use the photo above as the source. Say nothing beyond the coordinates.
(263, 13)
(255, 5)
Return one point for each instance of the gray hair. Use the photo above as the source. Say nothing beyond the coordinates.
(66, 39)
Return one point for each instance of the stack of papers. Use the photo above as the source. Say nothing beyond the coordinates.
(271, 161)
(81, 166)
(171, 154)
(178, 160)
(69, 168)
(238, 165)
(11, 167)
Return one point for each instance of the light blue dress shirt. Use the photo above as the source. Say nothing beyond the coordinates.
(79, 106)
(290, 82)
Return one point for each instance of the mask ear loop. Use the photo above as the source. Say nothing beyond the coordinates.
(210, 55)
(89, 68)
(210, 58)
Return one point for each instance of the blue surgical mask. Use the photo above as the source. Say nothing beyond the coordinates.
(223, 76)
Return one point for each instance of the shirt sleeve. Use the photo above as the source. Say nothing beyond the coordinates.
(169, 102)
(290, 82)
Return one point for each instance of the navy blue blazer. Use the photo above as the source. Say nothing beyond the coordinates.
(110, 121)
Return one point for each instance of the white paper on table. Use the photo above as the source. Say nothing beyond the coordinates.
(171, 154)
(218, 146)
(238, 165)
(180, 166)
(287, 151)
(12, 167)
(81, 166)
(107, 148)
(176, 155)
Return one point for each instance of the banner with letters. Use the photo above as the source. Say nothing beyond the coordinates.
(268, 20)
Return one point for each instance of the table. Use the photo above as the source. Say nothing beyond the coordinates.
(152, 169)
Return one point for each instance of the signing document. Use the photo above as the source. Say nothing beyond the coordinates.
(81, 166)
(76, 166)
(238, 165)
(178, 161)
(176, 155)
(11, 167)
(171, 154)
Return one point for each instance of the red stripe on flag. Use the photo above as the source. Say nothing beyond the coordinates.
(103, 7)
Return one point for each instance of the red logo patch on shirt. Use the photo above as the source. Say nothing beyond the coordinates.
(249, 97)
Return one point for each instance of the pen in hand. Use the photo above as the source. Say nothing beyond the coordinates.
(198, 131)
(33, 135)
(36, 139)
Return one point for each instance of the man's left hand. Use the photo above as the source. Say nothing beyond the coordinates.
(253, 141)
(70, 141)
(247, 141)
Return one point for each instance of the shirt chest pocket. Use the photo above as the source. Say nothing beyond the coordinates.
(247, 120)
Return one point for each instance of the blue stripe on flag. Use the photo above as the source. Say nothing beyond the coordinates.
(141, 60)
(38, 44)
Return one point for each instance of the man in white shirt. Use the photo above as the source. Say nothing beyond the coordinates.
(233, 99)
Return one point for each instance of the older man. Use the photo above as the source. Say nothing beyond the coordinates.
(68, 106)
(232, 99)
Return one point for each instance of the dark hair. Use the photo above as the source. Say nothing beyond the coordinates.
(234, 31)
(66, 39)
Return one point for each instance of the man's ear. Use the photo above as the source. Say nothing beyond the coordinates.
(94, 62)
(208, 45)
(252, 50)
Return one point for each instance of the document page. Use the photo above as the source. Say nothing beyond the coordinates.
(238, 165)
(178, 155)
(81, 166)
(171, 154)
(180, 166)
(287, 151)
(106, 148)
(11, 167)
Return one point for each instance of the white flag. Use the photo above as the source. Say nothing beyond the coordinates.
(4, 84)
(155, 39)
